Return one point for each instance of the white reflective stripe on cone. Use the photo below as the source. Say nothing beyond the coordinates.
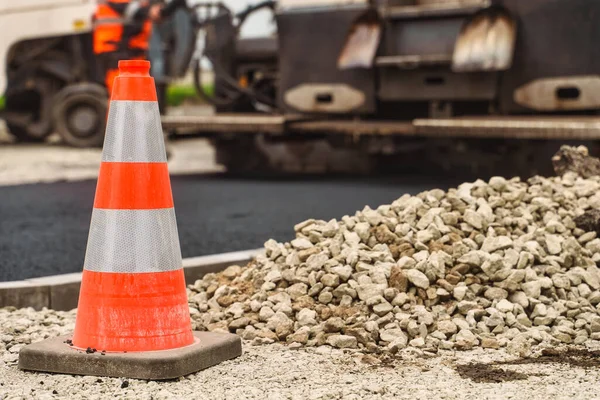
(134, 133)
(133, 241)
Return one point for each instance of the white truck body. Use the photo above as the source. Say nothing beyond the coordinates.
(30, 19)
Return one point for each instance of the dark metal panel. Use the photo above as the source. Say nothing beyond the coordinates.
(412, 9)
(421, 37)
(310, 43)
(555, 38)
(435, 84)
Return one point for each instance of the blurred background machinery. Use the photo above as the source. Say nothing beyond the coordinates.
(342, 85)
(51, 78)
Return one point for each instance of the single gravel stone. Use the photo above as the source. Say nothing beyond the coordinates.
(265, 314)
(519, 298)
(284, 329)
(532, 289)
(325, 297)
(382, 308)
(330, 280)
(465, 306)
(417, 342)
(505, 306)
(393, 335)
(417, 278)
(474, 219)
(368, 291)
(495, 293)
(586, 237)
(554, 244)
(465, 339)
(492, 244)
(233, 271)
(239, 323)
(300, 336)
(307, 317)
(344, 272)
(398, 279)
(490, 343)
(447, 327)
(297, 290)
(460, 292)
(334, 324)
(301, 244)
(342, 341)
(498, 183)
(273, 276)
(277, 319)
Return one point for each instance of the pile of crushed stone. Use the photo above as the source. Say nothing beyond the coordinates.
(498, 264)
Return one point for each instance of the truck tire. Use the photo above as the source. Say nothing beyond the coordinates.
(79, 114)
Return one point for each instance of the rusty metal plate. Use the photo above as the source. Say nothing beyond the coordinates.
(362, 42)
(486, 43)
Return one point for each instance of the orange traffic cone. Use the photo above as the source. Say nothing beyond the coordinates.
(133, 311)
(133, 294)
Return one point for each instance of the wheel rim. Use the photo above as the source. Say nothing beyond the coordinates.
(83, 120)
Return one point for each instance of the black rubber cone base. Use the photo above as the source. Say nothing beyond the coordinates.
(55, 355)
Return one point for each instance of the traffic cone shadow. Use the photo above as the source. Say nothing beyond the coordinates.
(133, 318)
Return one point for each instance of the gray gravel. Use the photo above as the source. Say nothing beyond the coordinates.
(491, 264)
(278, 372)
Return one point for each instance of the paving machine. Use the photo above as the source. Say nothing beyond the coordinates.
(345, 84)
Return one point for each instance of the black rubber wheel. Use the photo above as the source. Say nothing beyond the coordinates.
(80, 113)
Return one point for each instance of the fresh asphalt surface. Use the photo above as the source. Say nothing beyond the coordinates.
(44, 227)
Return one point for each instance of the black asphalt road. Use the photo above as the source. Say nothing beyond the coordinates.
(44, 227)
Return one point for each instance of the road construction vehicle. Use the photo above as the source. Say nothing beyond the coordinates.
(345, 84)
(49, 75)
(43, 50)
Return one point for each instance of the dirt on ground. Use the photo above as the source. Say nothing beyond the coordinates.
(493, 373)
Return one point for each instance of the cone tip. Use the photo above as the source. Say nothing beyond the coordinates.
(134, 67)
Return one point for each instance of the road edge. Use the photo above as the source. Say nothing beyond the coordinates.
(61, 292)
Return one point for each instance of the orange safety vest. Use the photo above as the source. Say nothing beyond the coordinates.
(108, 30)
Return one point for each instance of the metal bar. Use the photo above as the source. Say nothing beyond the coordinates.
(559, 128)
(241, 123)
(446, 9)
(413, 61)
(353, 128)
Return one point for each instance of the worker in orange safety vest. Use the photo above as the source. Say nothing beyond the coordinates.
(122, 30)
